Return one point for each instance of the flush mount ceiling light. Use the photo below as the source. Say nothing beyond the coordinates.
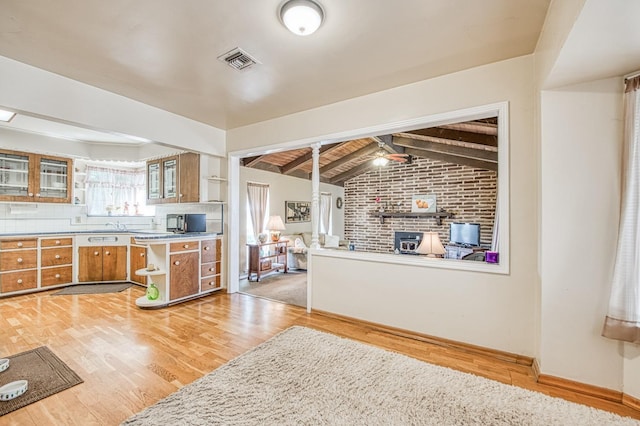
(301, 17)
(6, 115)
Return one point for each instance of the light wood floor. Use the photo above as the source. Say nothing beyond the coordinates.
(130, 358)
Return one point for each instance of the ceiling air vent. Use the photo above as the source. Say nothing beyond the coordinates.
(238, 59)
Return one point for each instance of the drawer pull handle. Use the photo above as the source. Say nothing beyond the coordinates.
(177, 262)
(96, 253)
(57, 256)
(19, 244)
(19, 260)
(57, 242)
(141, 254)
(211, 269)
(20, 281)
(186, 246)
(57, 275)
(38, 194)
(31, 194)
(207, 247)
(107, 253)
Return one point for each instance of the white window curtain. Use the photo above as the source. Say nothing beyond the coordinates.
(257, 197)
(623, 318)
(325, 212)
(112, 191)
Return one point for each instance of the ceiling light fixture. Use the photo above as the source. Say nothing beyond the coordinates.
(6, 115)
(301, 17)
(380, 161)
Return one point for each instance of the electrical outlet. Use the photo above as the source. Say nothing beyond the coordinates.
(78, 219)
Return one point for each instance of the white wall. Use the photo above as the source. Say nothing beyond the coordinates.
(581, 129)
(490, 310)
(284, 188)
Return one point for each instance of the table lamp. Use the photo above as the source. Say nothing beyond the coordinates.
(275, 225)
(430, 245)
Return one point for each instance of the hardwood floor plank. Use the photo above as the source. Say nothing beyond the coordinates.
(130, 358)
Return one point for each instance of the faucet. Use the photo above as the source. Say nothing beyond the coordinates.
(118, 226)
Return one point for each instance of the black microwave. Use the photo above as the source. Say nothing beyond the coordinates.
(187, 222)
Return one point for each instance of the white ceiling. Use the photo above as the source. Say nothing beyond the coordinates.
(163, 52)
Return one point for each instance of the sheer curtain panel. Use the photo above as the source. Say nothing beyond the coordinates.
(257, 197)
(623, 318)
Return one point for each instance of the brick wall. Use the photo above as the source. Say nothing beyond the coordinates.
(467, 192)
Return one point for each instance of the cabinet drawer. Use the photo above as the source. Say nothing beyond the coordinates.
(56, 242)
(210, 283)
(210, 250)
(17, 244)
(16, 281)
(183, 246)
(19, 259)
(56, 256)
(207, 269)
(56, 276)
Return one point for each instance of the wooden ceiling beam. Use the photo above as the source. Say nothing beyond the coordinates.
(365, 150)
(252, 161)
(303, 159)
(457, 135)
(443, 148)
(473, 127)
(455, 159)
(361, 168)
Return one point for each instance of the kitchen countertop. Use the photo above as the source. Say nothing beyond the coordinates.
(137, 234)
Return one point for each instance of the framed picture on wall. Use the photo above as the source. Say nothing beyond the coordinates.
(423, 203)
(297, 211)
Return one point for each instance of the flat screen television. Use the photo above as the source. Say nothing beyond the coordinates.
(464, 234)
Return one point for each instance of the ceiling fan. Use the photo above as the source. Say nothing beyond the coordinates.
(382, 157)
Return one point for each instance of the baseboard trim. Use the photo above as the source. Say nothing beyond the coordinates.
(438, 341)
(631, 402)
(583, 388)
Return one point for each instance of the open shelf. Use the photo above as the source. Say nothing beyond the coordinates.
(147, 273)
(438, 216)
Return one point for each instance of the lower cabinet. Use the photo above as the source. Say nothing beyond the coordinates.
(18, 265)
(108, 263)
(56, 261)
(184, 275)
(137, 260)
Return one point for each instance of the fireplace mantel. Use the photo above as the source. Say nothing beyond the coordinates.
(438, 216)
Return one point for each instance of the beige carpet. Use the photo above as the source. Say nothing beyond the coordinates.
(306, 377)
(93, 289)
(290, 288)
(46, 373)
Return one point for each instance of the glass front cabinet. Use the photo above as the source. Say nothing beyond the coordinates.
(174, 179)
(34, 177)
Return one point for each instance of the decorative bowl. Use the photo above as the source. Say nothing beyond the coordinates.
(13, 390)
(4, 364)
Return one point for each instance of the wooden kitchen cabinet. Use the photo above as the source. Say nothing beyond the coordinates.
(174, 179)
(210, 264)
(183, 271)
(56, 261)
(108, 263)
(137, 260)
(18, 265)
(34, 177)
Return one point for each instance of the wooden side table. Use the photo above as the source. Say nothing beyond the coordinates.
(267, 257)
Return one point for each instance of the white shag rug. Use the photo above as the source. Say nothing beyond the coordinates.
(306, 377)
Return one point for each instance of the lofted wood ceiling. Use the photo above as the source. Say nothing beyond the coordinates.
(471, 143)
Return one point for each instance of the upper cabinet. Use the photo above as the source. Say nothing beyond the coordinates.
(34, 177)
(174, 179)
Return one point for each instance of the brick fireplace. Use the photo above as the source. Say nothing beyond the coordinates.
(469, 193)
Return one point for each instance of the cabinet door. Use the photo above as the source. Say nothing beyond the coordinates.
(16, 176)
(189, 182)
(184, 271)
(114, 263)
(137, 260)
(54, 179)
(89, 264)
(154, 184)
(170, 180)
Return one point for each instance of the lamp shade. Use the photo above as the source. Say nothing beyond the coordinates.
(301, 17)
(275, 224)
(430, 245)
